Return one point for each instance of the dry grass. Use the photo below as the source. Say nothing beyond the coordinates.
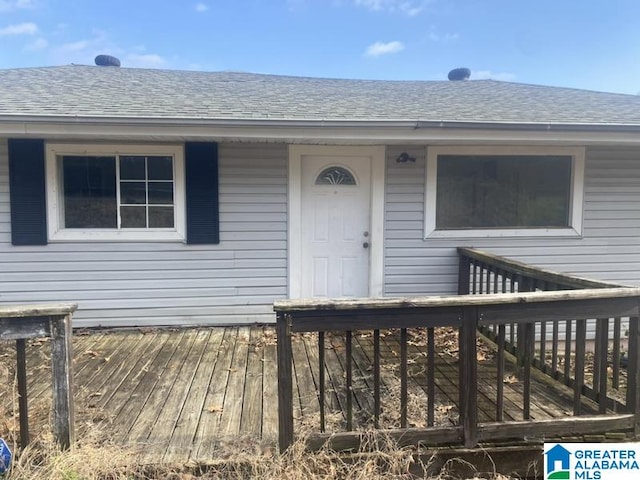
(95, 458)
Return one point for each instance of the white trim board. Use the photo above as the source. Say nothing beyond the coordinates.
(56, 231)
(376, 265)
(577, 192)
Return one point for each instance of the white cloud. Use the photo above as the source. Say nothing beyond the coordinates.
(446, 37)
(37, 44)
(201, 7)
(381, 48)
(28, 28)
(408, 7)
(74, 46)
(489, 75)
(8, 5)
(146, 60)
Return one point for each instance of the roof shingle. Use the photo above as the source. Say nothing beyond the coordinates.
(126, 93)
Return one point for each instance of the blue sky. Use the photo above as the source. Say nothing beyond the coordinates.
(591, 44)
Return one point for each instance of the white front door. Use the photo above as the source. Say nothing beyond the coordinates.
(335, 224)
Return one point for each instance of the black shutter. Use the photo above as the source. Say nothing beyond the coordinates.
(201, 179)
(27, 192)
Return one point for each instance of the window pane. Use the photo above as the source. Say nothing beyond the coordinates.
(503, 191)
(89, 192)
(132, 168)
(133, 217)
(160, 168)
(132, 193)
(160, 193)
(160, 217)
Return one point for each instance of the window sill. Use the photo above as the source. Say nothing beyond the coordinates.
(506, 233)
(116, 236)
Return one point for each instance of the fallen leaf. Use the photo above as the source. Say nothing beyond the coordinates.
(214, 409)
(444, 408)
(510, 379)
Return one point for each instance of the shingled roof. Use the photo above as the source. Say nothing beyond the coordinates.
(126, 93)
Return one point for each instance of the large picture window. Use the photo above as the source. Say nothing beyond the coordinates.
(133, 194)
(489, 192)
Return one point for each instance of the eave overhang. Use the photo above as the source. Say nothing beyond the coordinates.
(332, 131)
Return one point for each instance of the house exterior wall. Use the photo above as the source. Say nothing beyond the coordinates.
(134, 283)
(608, 250)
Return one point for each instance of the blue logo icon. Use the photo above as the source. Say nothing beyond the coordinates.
(558, 463)
(5, 456)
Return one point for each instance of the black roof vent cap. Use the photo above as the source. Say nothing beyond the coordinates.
(458, 74)
(107, 61)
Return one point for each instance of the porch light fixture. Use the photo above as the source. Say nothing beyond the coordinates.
(405, 158)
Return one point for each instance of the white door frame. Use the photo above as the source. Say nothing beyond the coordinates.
(376, 243)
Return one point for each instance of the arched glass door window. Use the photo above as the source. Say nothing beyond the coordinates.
(335, 176)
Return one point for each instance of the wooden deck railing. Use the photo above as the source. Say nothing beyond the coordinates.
(557, 348)
(520, 312)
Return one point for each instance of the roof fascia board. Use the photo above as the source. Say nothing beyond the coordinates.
(304, 132)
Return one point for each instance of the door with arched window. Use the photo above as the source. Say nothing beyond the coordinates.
(336, 206)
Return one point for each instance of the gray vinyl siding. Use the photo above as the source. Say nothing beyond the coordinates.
(137, 283)
(608, 250)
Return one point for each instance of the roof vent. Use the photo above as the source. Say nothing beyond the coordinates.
(458, 74)
(107, 61)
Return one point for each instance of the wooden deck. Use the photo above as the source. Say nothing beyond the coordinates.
(183, 395)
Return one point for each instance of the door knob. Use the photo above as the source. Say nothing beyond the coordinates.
(365, 245)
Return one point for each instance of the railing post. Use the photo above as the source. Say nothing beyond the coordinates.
(468, 376)
(62, 380)
(464, 270)
(633, 380)
(285, 382)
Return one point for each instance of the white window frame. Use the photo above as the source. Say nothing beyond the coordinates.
(576, 199)
(55, 200)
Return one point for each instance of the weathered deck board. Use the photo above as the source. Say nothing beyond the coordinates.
(208, 428)
(178, 395)
(164, 429)
(182, 440)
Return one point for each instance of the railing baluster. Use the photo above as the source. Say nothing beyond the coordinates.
(481, 279)
(567, 352)
(597, 353)
(464, 271)
(321, 379)
(616, 353)
(468, 366)
(488, 279)
(376, 378)
(633, 372)
(581, 339)
(500, 397)
(403, 378)
(474, 278)
(529, 337)
(349, 387)
(431, 380)
(554, 351)
(543, 346)
(495, 280)
(602, 339)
